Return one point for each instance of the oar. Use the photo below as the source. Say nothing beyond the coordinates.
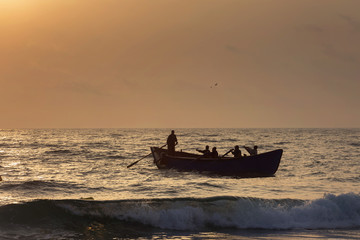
(227, 152)
(142, 158)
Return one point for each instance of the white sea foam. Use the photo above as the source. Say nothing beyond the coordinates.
(342, 211)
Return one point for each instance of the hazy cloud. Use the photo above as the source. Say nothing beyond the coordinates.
(330, 51)
(84, 88)
(351, 21)
(310, 28)
(232, 49)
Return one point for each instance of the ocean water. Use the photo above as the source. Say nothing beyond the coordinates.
(75, 184)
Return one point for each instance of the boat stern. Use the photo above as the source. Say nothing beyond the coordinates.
(155, 154)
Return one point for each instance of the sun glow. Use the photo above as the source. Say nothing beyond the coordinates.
(11, 3)
(15, 8)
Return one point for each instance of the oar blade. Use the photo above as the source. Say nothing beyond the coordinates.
(138, 161)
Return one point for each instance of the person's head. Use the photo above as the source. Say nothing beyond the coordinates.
(237, 147)
(207, 147)
(255, 147)
(172, 132)
(214, 149)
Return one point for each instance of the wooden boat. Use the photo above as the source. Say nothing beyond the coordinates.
(264, 164)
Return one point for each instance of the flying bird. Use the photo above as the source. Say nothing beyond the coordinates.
(215, 85)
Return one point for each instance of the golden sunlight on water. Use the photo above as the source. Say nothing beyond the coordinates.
(98, 159)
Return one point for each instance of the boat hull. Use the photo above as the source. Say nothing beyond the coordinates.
(264, 164)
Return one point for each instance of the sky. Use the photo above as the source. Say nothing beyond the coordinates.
(179, 64)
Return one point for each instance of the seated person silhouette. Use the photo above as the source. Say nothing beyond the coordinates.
(252, 151)
(214, 153)
(236, 152)
(206, 151)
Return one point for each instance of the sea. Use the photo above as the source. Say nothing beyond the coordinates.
(75, 184)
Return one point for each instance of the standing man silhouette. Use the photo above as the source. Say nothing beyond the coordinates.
(171, 142)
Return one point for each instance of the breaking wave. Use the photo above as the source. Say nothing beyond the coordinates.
(331, 211)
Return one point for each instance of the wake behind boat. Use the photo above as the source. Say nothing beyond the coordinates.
(264, 164)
